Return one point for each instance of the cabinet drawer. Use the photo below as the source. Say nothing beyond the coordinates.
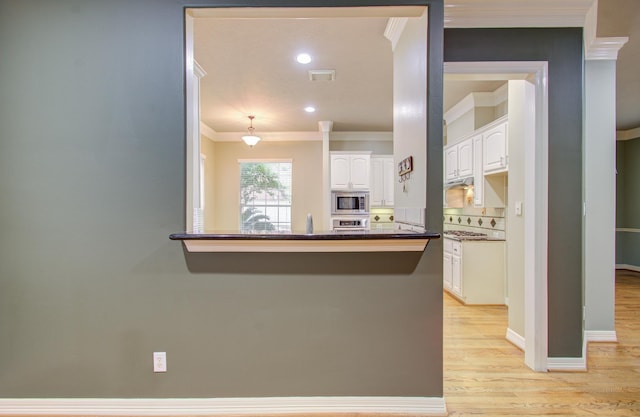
(456, 248)
(448, 245)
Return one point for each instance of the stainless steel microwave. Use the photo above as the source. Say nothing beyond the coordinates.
(346, 202)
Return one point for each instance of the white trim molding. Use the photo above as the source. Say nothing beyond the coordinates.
(394, 29)
(627, 230)
(570, 364)
(432, 406)
(509, 13)
(628, 267)
(473, 100)
(600, 335)
(567, 364)
(605, 48)
(515, 339)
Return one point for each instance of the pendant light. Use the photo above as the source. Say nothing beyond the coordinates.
(251, 139)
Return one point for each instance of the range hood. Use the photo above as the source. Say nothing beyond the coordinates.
(459, 183)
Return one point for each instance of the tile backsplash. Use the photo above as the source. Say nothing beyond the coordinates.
(489, 220)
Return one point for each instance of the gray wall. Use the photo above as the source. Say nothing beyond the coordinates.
(562, 48)
(628, 202)
(92, 172)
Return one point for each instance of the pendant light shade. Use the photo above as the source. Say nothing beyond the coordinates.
(251, 139)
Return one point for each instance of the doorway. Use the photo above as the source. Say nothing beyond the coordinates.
(531, 288)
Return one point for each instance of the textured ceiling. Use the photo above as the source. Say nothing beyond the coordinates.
(251, 69)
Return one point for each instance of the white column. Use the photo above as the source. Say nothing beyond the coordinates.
(326, 127)
(599, 166)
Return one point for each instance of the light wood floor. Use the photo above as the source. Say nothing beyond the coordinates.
(484, 375)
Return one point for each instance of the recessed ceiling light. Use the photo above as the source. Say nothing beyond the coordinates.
(303, 58)
(309, 109)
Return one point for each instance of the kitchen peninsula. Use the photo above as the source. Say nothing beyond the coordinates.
(329, 241)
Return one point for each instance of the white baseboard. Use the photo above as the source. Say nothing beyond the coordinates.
(570, 364)
(600, 335)
(629, 267)
(567, 364)
(432, 406)
(515, 338)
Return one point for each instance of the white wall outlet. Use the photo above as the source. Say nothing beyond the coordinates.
(159, 361)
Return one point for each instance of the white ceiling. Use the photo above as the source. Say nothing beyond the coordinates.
(251, 70)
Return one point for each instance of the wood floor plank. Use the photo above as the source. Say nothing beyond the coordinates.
(484, 374)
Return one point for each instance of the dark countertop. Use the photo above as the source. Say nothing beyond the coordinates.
(320, 235)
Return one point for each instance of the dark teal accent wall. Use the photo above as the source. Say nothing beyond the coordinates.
(628, 202)
(92, 179)
(562, 48)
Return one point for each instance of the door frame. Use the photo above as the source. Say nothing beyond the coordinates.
(536, 201)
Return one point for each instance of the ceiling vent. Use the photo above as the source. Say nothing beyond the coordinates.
(322, 75)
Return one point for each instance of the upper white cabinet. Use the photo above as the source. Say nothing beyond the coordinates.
(450, 163)
(496, 152)
(458, 160)
(350, 171)
(465, 158)
(478, 173)
(382, 181)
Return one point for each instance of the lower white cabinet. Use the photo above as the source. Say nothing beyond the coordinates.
(474, 270)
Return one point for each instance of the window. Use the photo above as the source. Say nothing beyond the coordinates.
(265, 195)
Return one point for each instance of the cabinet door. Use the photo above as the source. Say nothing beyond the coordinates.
(478, 172)
(360, 165)
(495, 149)
(456, 275)
(451, 163)
(447, 271)
(377, 182)
(389, 169)
(465, 158)
(340, 167)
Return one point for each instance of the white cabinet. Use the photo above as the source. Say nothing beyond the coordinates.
(496, 149)
(465, 158)
(382, 181)
(474, 270)
(452, 279)
(478, 172)
(350, 171)
(447, 272)
(450, 163)
(458, 160)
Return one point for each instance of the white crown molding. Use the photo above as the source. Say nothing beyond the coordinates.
(628, 134)
(433, 406)
(270, 136)
(472, 100)
(393, 31)
(207, 132)
(361, 136)
(605, 48)
(515, 13)
(601, 335)
(198, 70)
